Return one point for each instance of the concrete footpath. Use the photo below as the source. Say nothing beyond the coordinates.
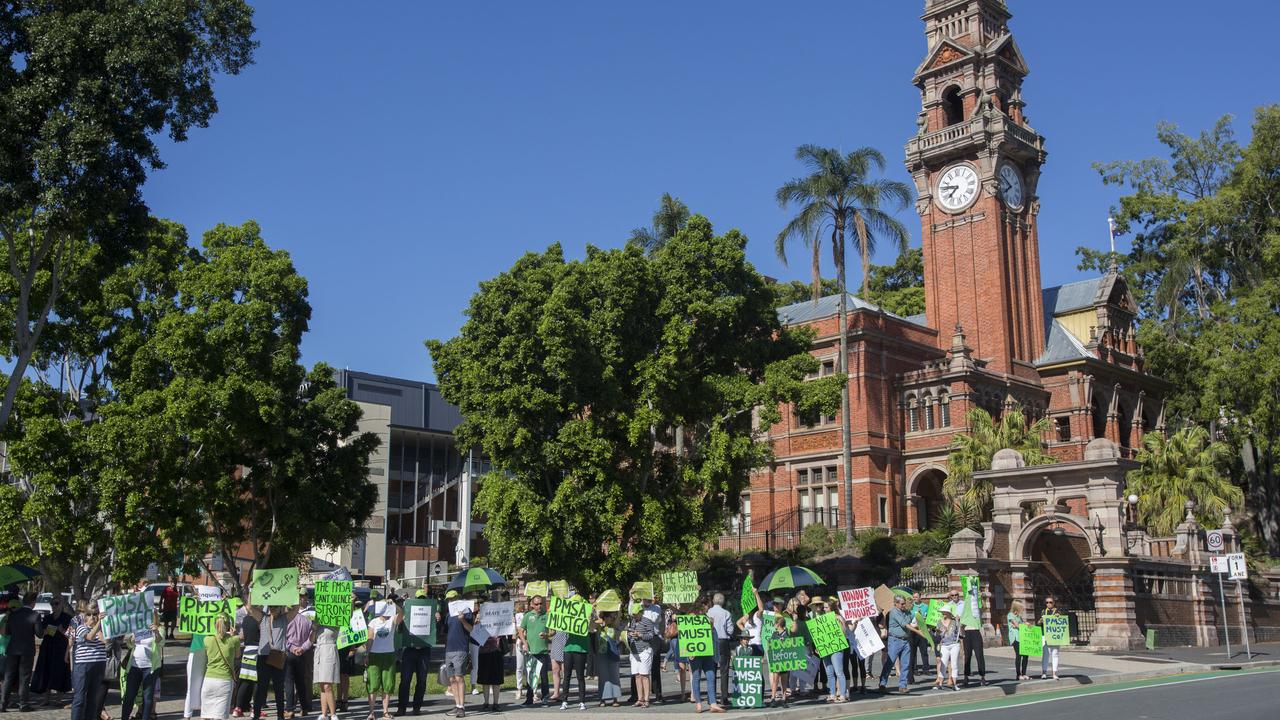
(1076, 669)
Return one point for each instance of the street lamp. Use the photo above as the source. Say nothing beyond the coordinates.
(1099, 531)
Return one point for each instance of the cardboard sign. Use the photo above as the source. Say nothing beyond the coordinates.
(787, 654)
(748, 600)
(569, 615)
(499, 618)
(679, 587)
(356, 632)
(559, 588)
(333, 602)
(971, 601)
(198, 617)
(123, 614)
(857, 603)
(642, 591)
(884, 598)
(866, 638)
(695, 636)
(209, 592)
(934, 615)
(828, 634)
(1030, 641)
(747, 689)
(457, 607)
(1057, 630)
(420, 619)
(275, 587)
(537, 588)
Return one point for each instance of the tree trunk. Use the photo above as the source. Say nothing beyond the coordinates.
(861, 226)
(842, 365)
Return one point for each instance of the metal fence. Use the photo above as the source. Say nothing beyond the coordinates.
(924, 581)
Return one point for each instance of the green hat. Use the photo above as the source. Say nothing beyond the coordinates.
(421, 593)
(451, 595)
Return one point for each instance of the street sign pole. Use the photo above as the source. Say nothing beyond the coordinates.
(1226, 626)
(1244, 631)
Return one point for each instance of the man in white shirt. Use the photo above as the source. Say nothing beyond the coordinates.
(722, 629)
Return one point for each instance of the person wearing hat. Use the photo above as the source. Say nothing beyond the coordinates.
(384, 617)
(415, 652)
(948, 631)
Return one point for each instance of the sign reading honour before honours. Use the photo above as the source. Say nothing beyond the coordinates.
(787, 654)
(858, 603)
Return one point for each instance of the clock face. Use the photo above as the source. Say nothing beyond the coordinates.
(958, 187)
(1011, 186)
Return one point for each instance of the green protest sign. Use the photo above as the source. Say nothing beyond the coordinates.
(333, 602)
(198, 617)
(680, 588)
(537, 588)
(748, 601)
(1057, 630)
(828, 634)
(971, 601)
(559, 588)
(123, 614)
(569, 615)
(278, 586)
(787, 654)
(1030, 641)
(935, 613)
(356, 631)
(695, 636)
(420, 619)
(642, 591)
(748, 681)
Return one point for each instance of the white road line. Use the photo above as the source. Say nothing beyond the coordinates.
(1076, 697)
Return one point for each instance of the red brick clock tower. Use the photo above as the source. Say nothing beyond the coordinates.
(976, 162)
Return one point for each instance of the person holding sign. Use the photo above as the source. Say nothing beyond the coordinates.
(272, 624)
(324, 664)
(89, 666)
(1015, 623)
(901, 624)
(948, 648)
(1050, 656)
(146, 657)
(576, 646)
(384, 615)
(610, 630)
(417, 634)
(532, 636)
(640, 636)
(215, 692)
(697, 642)
(828, 630)
(457, 651)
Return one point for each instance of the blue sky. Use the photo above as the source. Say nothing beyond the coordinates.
(403, 152)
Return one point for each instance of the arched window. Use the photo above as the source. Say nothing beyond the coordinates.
(944, 409)
(928, 412)
(953, 105)
(913, 414)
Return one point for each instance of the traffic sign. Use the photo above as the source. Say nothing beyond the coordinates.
(1238, 569)
(1218, 564)
(1213, 540)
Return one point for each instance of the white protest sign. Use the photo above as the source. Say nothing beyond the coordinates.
(457, 607)
(480, 634)
(123, 614)
(208, 592)
(866, 638)
(1239, 570)
(858, 603)
(1213, 540)
(1218, 563)
(420, 617)
(498, 617)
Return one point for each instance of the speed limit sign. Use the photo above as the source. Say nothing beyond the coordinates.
(1213, 540)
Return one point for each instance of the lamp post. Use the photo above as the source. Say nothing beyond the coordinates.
(1099, 532)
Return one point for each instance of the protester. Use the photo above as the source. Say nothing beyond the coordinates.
(1049, 657)
(145, 661)
(919, 645)
(593, 640)
(246, 683)
(778, 680)
(899, 623)
(490, 673)
(197, 660)
(298, 662)
(704, 668)
(854, 663)
(948, 647)
(673, 656)
(972, 627)
(1015, 622)
(273, 626)
(52, 673)
(558, 680)
(658, 643)
(21, 629)
(838, 686)
(415, 652)
(518, 647)
(222, 650)
(384, 616)
(576, 648)
(346, 668)
(722, 630)
(456, 654)
(640, 640)
(169, 608)
(89, 664)
(609, 631)
(532, 637)
(324, 667)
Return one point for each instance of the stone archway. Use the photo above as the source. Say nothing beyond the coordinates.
(924, 489)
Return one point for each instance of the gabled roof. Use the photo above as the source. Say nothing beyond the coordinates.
(1072, 296)
(1014, 55)
(953, 52)
(1060, 345)
(808, 310)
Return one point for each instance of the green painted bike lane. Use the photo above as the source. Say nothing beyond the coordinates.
(1013, 701)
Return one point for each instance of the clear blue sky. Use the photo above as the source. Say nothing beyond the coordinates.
(403, 152)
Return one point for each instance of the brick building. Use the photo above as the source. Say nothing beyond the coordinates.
(991, 336)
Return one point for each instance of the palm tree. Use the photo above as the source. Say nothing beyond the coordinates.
(973, 451)
(839, 192)
(671, 217)
(1179, 468)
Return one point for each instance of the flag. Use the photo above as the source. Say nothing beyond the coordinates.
(748, 602)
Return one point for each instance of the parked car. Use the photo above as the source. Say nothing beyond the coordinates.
(43, 603)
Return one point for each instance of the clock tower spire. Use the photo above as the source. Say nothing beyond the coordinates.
(976, 162)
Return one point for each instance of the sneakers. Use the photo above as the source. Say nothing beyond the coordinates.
(564, 706)
(582, 706)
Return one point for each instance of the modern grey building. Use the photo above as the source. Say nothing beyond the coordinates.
(423, 479)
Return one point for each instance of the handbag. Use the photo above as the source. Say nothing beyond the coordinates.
(275, 658)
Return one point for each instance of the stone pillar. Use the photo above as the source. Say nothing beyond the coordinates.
(1020, 574)
(1113, 598)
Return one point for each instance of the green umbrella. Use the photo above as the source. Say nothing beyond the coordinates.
(476, 580)
(14, 574)
(791, 576)
(903, 591)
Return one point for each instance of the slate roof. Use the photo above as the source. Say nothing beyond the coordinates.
(1072, 296)
(808, 310)
(1059, 344)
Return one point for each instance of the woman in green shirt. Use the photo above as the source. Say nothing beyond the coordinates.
(575, 660)
(221, 650)
(1015, 622)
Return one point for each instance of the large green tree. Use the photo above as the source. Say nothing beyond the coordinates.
(973, 450)
(1185, 466)
(1204, 264)
(85, 86)
(619, 399)
(840, 193)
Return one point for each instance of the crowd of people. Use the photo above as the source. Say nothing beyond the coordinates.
(282, 652)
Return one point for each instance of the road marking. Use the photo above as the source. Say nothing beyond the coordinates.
(1069, 694)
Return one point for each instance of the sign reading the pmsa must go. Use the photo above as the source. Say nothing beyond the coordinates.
(275, 587)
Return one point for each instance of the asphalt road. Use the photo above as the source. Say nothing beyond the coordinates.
(1218, 696)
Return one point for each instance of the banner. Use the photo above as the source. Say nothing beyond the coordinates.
(1057, 630)
(828, 634)
(747, 690)
(866, 638)
(748, 601)
(569, 615)
(696, 638)
(642, 591)
(457, 607)
(333, 602)
(197, 617)
(787, 654)
(935, 613)
(679, 587)
(537, 588)
(356, 632)
(274, 587)
(1031, 641)
(499, 618)
(971, 601)
(420, 619)
(559, 588)
(123, 614)
(857, 603)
